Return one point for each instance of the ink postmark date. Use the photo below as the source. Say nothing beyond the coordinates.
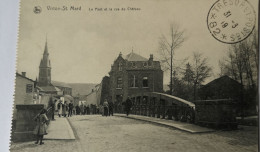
(231, 21)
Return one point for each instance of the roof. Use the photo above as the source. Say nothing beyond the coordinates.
(60, 84)
(222, 79)
(134, 57)
(47, 88)
(18, 74)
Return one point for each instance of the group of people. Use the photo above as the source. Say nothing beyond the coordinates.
(108, 107)
(86, 110)
(65, 109)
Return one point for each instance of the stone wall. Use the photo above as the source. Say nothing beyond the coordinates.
(24, 123)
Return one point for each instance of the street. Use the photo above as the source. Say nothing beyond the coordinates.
(95, 133)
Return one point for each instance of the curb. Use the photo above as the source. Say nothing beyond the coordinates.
(163, 124)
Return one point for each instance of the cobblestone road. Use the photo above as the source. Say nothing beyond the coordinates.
(95, 133)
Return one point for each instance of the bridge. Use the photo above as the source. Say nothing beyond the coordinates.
(158, 122)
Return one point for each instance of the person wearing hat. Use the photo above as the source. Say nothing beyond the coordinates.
(41, 127)
(128, 105)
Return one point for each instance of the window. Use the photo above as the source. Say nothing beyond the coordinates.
(120, 66)
(145, 82)
(29, 88)
(145, 64)
(133, 81)
(133, 64)
(119, 82)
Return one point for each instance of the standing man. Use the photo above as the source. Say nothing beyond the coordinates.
(128, 105)
(110, 107)
(70, 109)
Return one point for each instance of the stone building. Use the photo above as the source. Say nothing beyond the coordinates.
(103, 91)
(134, 74)
(44, 83)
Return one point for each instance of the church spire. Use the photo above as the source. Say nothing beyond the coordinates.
(45, 68)
(46, 47)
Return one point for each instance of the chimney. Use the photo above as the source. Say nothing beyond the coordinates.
(151, 57)
(24, 74)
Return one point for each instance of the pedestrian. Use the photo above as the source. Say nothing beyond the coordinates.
(77, 110)
(65, 109)
(40, 129)
(128, 105)
(105, 105)
(60, 105)
(111, 106)
(52, 105)
(81, 109)
(85, 110)
(70, 109)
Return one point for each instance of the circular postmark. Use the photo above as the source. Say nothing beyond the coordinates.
(231, 21)
(37, 9)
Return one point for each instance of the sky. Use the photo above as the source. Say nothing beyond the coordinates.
(83, 44)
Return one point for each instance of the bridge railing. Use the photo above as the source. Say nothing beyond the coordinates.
(163, 106)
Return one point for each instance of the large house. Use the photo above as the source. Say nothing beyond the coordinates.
(134, 74)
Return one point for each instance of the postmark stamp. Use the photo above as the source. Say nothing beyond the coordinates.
(231, 21)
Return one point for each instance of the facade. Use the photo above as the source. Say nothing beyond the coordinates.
(91, 98)
(134, 74)
(24, 91)
(103, 91)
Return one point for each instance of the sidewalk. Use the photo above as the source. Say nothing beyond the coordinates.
(60, 129)
(191, 128)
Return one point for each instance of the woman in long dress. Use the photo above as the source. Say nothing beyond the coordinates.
(40, 129)
(60, 107)
(65, 109)
(105, 104)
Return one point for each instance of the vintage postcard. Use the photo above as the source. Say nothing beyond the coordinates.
(137, 76)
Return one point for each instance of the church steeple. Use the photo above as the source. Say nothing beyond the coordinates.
(45, 68)
(46, 48)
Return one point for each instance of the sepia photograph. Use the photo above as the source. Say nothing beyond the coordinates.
(136, 76)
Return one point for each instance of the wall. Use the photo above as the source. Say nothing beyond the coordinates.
(21, 97)
(92, 98)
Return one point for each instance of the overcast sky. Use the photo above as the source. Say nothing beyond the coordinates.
(84, 44)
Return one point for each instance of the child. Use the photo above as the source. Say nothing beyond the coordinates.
(40, 129)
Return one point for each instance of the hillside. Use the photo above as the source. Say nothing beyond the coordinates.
(82, 88)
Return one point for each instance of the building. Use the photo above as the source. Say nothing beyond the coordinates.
(44, 82)
(134, 74)
(103, 91)
(24, 89)
(64, 87)
(221, 88)
(91, 98)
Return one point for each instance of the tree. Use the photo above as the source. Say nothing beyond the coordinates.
(200, 71)
(168, 46)
(241, 64)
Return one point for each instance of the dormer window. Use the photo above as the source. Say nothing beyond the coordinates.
(133, 64)
(145, 64)
(120, 66)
